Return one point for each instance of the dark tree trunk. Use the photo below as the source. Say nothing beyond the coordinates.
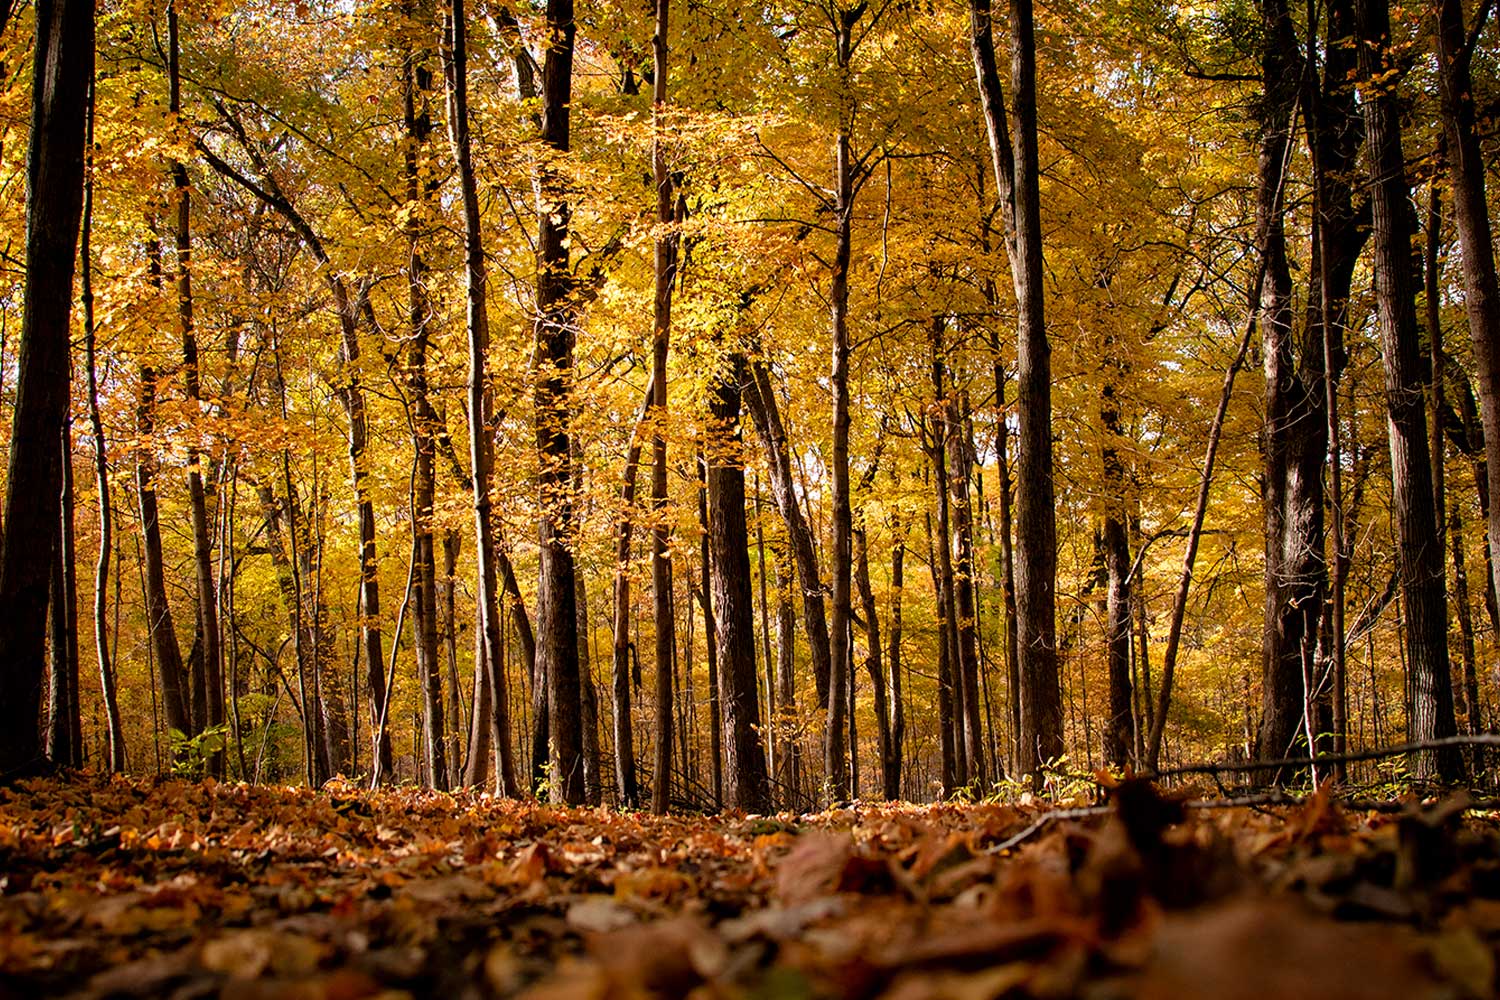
(964, 577)
(486, 550)
(625, 779)
(1466, 163)
(1421, 548)
(206, 668)
(890, 767)
(1119, 734)
(1013, 153)
(1295, 427)
(661, 338)
(761, 399)
(64, 722)
(788, 764)
(557, 614)
(162, 630)
(115, 731)
(710, 634)
(416, 85)
(62, 67)
(745, 781)
(873, 663)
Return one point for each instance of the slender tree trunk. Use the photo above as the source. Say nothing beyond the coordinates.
(625, 779)
(890, 766)
(873, 654)
(589, 702)
(1119, 735)
(789, 763)
(557, 614)
(1466, 164)
(710, 638)
(206, 666)
(163, 632)
(761, 398)
(62, 67)
(480, 446)
(948, 727)
(745, 784)
(1013, 153)
(1421, 548)
(64, 721)
(964, 577)
(661, 338)
(115, 731)
(416, 80)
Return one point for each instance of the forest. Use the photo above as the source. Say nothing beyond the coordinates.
(693, 407)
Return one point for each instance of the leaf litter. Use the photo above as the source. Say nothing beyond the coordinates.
(122, 888)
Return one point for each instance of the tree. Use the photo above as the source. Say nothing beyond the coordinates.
(62, 67)
(1014, 157)
(1421, 545)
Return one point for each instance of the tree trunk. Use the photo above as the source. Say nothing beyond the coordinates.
(661, 338)
(557, 615)
(416, 86)
(480, 445)
(745, 786)
(64, 722)
(790, 761)
(625, 779)
(115, 730)
(873, 653)
(62, 67)
(1119, 734)
(1466, 164)
(966, 613)
(1421, 548)
(761, 398)
(890, 766)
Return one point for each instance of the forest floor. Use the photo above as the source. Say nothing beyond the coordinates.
(134, 888)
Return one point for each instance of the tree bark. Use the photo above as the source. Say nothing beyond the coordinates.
(1466, 165)
(557, 615)
(480, 445)
(746, 786)
(661, 338)
(54, 201)
(1421, 549)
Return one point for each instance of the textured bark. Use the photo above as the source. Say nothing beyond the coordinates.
(1119, 733)
(416, 86)
(64, 723)
(873, 661)
(557, 614)
(1421, 548)
(951, 700)
(661, 338)
(62, 66)
(625, 780)
(486, 550)
(746, 786)
(1295, 428)
(965, 612)
(760, 397)
(114, 729)
(1466, 164)
(1013, 153)
(171, 670)
(206, 666)
(789, 763)
(890, 768)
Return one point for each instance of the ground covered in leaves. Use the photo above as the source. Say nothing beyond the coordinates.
(117, 888)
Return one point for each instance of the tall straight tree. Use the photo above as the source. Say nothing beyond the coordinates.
(61, 69)
(1466, 167)
(1014, 156)
(1421, 543)
(1294, 439)
(480, 447)
(745, 782)
(661, 339)
(557, 616)
(205, 666)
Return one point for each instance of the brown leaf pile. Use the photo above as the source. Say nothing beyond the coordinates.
(120, 888)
